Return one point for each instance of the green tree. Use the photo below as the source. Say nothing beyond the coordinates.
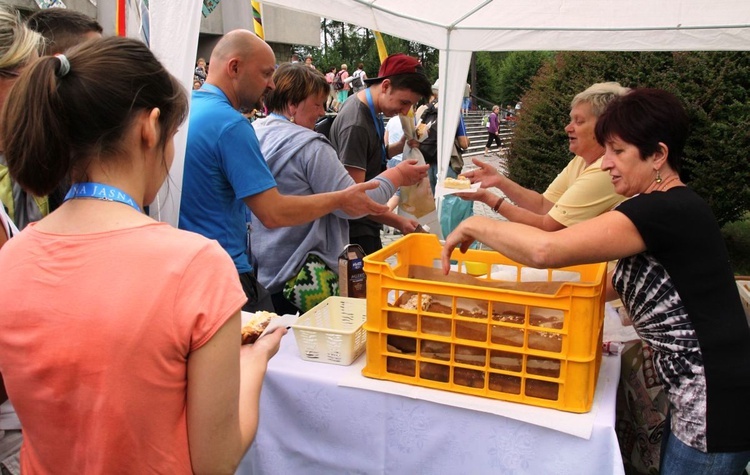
(350, 44)
(488, 83)
(714, 87)
(516, 72)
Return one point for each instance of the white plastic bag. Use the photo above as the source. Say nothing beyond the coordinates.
(417, 201)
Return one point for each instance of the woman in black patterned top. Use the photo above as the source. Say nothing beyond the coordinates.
(673, 277)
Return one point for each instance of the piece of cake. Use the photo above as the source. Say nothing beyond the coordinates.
(422, 131)
(252, 330)
(460, 183)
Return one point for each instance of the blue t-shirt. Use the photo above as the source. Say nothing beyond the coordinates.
(223, 165)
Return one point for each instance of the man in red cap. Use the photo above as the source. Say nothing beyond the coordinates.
(357, 134)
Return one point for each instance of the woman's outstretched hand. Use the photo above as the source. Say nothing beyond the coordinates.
(486, 174)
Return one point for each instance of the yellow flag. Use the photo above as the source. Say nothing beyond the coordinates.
(382, 52)
(257, 22)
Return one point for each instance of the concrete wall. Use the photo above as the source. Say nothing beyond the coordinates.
(285, 26)
(281, 27)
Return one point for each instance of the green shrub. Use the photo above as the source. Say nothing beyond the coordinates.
(737, 237)
(516, 72)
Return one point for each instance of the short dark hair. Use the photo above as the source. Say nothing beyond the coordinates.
(62, 28)
(416, 82)
(644, 117)
(294, 83)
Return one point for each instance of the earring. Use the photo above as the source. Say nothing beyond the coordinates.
(658, 177)
(291, 119)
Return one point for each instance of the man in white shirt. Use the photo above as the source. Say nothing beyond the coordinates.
(357, 79)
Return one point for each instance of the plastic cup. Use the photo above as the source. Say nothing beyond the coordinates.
(476, 268)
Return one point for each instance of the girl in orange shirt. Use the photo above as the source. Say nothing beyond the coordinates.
(119, 335)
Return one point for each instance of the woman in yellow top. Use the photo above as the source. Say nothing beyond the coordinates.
(581, 190)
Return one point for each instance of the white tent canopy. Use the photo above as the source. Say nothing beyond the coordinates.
(457, 28)
(516, 25)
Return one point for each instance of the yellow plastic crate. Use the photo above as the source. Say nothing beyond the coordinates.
(518, 334)
(332, 331)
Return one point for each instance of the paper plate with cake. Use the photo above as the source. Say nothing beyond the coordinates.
(460, 184)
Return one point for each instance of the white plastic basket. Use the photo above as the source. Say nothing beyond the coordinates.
(332, 331)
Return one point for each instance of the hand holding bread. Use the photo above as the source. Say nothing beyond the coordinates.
(254, 327)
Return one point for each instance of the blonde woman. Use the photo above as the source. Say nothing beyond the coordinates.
(18, 48)
(343, 93)
(580, 191)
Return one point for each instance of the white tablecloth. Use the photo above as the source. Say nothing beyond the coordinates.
(311, 425)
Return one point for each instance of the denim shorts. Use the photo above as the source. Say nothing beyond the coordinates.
(678, 458)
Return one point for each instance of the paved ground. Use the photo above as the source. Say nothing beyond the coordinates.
(480, 209)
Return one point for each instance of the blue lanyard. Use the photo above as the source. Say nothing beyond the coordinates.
(379, 127)
(101, 191)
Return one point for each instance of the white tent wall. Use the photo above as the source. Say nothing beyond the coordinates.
(175, 25)
(453, 69)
